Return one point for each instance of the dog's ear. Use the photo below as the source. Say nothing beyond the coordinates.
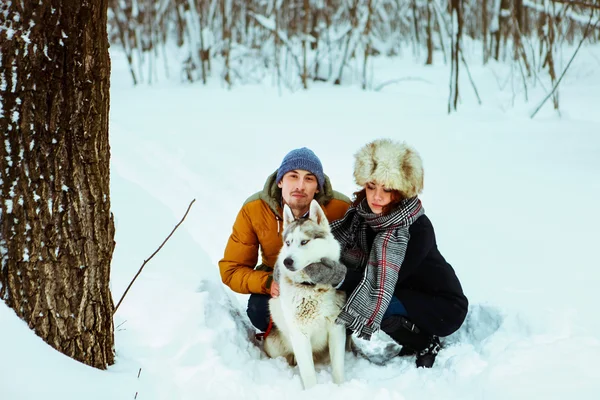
(288, 216)
(317, 214)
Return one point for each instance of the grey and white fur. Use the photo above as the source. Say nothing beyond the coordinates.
(304, 313)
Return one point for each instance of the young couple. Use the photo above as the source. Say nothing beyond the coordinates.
(395, 278)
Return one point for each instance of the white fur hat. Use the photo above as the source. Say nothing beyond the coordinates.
(394, 165)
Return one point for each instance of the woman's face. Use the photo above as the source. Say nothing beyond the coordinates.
(377, 196)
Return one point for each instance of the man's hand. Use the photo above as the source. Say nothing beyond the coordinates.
(274, 289)
(327, 272)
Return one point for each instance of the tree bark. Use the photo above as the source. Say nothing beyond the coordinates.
(56, 228)
(417, 41)
(305, 33)
(367, 39)
(456, 36)
(519, 14)
(485, 28)
(226, 37)
(430, 12)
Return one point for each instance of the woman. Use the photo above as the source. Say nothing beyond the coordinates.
(397, 280)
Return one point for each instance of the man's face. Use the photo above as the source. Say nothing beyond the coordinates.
(298, 188)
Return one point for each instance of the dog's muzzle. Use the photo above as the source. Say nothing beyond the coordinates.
(289, 263)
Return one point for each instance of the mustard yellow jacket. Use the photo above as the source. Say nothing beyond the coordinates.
(259, 226)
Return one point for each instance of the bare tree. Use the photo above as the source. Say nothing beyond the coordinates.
(121, 19)
(305, 35)
(226, 39)
(484, 30)
(204, 52)
(367, 40)
(430, 12)
(241, 37)
(415, 18)
(548, 37)
(351, 38)
(56, 228)
(456, 36)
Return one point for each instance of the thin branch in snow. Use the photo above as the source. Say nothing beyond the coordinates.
(587, 30)
(153, 254)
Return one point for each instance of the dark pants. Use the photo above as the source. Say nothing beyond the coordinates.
(395, 308)
(258, 311)
(352, 280)
(433, 315)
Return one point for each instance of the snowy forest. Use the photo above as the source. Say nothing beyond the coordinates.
(302, 41)
(134, 132)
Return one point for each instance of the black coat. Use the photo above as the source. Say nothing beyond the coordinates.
(427, 284)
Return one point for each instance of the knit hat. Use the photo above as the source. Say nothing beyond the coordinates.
(394, 165)
(302, 158)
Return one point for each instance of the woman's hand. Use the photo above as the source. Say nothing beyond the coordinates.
(327, 272)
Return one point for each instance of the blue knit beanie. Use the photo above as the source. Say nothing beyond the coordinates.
(305, 159)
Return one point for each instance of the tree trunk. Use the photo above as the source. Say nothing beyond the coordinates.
(226, 37)
(204, 52)
(519, 14)
(430, 12)
(305, 33)
(417, 41)
(495, 28)
(484, 33)
(56, 228)
(549, 58)
(367, 39)
(456, 36)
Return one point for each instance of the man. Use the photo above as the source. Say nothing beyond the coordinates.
(259, 226)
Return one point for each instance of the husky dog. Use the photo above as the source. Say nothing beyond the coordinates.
(304, 313)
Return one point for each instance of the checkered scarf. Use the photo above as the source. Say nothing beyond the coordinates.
(365, 307)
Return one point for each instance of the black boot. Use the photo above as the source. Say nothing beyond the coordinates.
(412, 339)
(407, 352)
(426, 357)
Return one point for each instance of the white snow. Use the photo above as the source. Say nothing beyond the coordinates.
(8, 203)
(514, 202)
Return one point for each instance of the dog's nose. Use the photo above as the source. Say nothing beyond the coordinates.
(288, 262)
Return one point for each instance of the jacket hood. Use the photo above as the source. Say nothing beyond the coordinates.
(395, 165)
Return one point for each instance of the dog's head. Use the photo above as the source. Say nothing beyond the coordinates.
(306, 240)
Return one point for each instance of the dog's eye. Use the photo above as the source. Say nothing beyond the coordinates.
(287, 242)
(302, 243)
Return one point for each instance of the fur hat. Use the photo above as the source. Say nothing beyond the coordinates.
(305, 159)
(393, 164)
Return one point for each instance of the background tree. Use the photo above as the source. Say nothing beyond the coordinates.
(457, 27)
(337, 41)
(56, 228)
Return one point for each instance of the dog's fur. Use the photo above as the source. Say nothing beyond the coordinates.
(304, 313)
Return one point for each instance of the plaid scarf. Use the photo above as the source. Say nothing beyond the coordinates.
(365, 307)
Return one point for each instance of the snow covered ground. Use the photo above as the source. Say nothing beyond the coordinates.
(514, 202)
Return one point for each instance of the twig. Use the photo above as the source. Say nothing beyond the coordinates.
(580, 4)
(139, 372)
(391, 81)
(464, 61)
(153, 254)
(585, 33)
